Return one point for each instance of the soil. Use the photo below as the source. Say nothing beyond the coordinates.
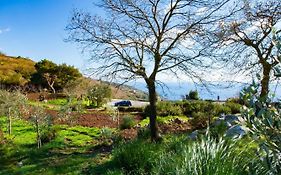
(101, 119)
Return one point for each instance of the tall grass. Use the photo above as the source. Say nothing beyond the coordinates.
(177, 156)
(205, 157)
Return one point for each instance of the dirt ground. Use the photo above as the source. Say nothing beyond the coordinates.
(100, 119)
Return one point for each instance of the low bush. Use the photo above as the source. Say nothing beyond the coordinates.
(200, 120)
(137, 157)
(127, 122)
(130, 109)
(165, 108)
(49, 135)
(221, 109)
(234, 107)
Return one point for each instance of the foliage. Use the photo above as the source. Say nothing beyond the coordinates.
(130, 109)
(12, 105)
(234, 107)
(58, 101)
(15, 71)
(137, 157)
(79, 87)
(70, 152)
(54, 76)
(192, 107)
(165, 108)
(264, 123)
(164, 120)
(70, 111)
(99, 94)
(127, 122)
(193, 95)
(201, 120)
(42, 123)
(205, 156)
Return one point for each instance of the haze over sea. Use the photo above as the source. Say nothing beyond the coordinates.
(176, 91)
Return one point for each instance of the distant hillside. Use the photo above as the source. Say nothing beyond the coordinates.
(129, 92)
(125, 92)
(18, 71)
(15, 70)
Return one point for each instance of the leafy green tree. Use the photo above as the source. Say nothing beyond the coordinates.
(99, 94)
(193, 95)
(12, 105)
(46, 74)
(66, 74)
(54, 76)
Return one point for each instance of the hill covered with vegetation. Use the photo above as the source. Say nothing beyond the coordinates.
(15, 70)
(20, 72)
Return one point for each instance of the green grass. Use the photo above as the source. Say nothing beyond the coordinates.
(59, 101)
(45, 105)
(70, 152)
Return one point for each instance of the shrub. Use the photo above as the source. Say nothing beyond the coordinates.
(234, 107)
(130, 109)
(193, 95)
(165, 108)
(127, 122)
(137, 157)
(200, 120)
(168, 108)
(221, 109)
(49, 135)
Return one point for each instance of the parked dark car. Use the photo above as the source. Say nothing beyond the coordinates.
(123, 103)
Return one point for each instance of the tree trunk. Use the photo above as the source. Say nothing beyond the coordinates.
(10, 121)
(53, 89)
(39, 144)
(265, 81)
(154, 132)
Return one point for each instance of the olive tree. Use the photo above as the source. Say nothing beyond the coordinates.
(41, 122)
(99, 94)
(12, 105)
(144, 38)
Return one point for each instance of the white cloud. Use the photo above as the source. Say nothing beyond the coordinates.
(4, 30)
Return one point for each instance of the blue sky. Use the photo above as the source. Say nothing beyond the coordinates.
(35, 29)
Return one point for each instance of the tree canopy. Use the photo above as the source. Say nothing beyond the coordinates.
(246, 39)
(54, 76)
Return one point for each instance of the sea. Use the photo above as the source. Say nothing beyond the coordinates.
(210, 91)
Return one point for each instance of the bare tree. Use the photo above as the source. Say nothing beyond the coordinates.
(142, 38)
(247, 39)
